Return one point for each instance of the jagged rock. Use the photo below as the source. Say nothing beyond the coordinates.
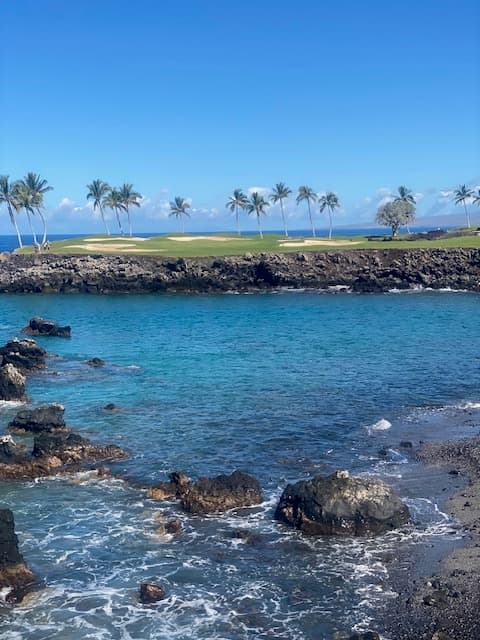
(10, 452)
(24, 354)
(171, 527)
(176, 488)
(151, 592)
(15, 577)
(46, 417)
(111, 407)
(340, 505)
(12, 383)
(366, 635)
(210, 495)
(95, 362)
(41, 327)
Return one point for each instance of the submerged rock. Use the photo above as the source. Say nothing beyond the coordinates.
(41, 327)
(12, 383)
(366, 635)
(24, 354)
(46, 417)
(211, 495)
(15, 576)
(151, 592)
(95, 362)
(341, 505)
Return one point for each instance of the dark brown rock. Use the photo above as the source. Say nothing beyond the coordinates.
(46, 417)
(41, 327)
(12, 383)
(15, 576)
(151, 592)
(175, 488)
(95, 362)
(341, 505)
(24, 354)
(211, 495)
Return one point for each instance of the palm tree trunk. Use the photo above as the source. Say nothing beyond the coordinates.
(104, 221)
(330, 230)
(31, 227)
(283, 219)
(259, 226)
(183, 224)
(129, 222)
(14, 222)
(238, 223)
(118, 220)
(44, 222)
(466, 213)
(311, 221)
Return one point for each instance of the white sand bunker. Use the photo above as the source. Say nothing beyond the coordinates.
(318, 242)
(116, 239)
(99, 247)
(191, 238)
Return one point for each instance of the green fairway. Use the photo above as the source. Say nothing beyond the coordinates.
(177, 245)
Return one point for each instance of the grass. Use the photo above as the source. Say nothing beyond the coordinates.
(223, 244)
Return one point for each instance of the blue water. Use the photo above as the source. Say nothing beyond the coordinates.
(10, 242)
(282, 386)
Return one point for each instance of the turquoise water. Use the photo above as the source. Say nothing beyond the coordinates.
(279, 385)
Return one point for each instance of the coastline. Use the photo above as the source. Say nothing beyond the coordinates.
(357, 270)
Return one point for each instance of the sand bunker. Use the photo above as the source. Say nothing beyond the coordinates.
(116, 239)
(190, 238)
(318, 242)
(99, 247)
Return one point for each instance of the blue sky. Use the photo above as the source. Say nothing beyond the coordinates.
(195, 98)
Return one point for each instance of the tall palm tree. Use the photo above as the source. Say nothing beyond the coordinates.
(24, 199)
(405, 195)
(130, 198)
(258, 204)
(178, 208)
(279, 192)
(8, 196)
(476, 197)
(460, 196)
(113, 200)
(97, 191)
(329, 202)
(235, 202)
(38, 187)
(308, 194)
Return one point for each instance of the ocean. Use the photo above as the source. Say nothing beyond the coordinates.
(280, 385)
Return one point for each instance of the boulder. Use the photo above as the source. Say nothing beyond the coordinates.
(151, 592)
(211, 495)
(10, 452)
(12, 383)
(171, 527)
(340, 505)
(15, 577)
(24, 354)
(176, 488)
(95, 362)
(46, 417)
(41, 327)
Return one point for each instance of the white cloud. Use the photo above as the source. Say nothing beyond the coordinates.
(262, 191)
(65, 202)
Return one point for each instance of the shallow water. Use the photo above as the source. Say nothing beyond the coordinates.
(280, 385)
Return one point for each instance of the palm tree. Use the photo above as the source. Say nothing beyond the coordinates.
(279, 192)
(97, 192)
(24, 199)
(113, 200)
(8, 196)
(37, 187)
(329, 202)
(405, 195)
(258, 204)
(476, 198)
(307, 193)
(235, 202)
(460, 196)
(178, 208)
(129, 198)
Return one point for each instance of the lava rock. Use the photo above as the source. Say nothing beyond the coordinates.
(176, 488)
(41, 327)
(340, 505)
(211, 495)
(23, 354)
(151, 592)
(366, 635)
(111, 407)
(95, 362)
(52, 444)
(12, 383)
(15, 577)
(46, 417)
(9, 451)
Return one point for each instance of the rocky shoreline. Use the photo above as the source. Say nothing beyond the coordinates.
(373, 270)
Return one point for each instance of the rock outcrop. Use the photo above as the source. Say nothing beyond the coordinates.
(177, 486)
(16, 579)
(12, 383)
(24, 354)
(362, 270)
(151, 592)
(95, 362)
(41, 327)
(46, 417)
(340, 505)
(212, 495)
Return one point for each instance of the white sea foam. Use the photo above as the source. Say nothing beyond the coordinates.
(380, 425)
